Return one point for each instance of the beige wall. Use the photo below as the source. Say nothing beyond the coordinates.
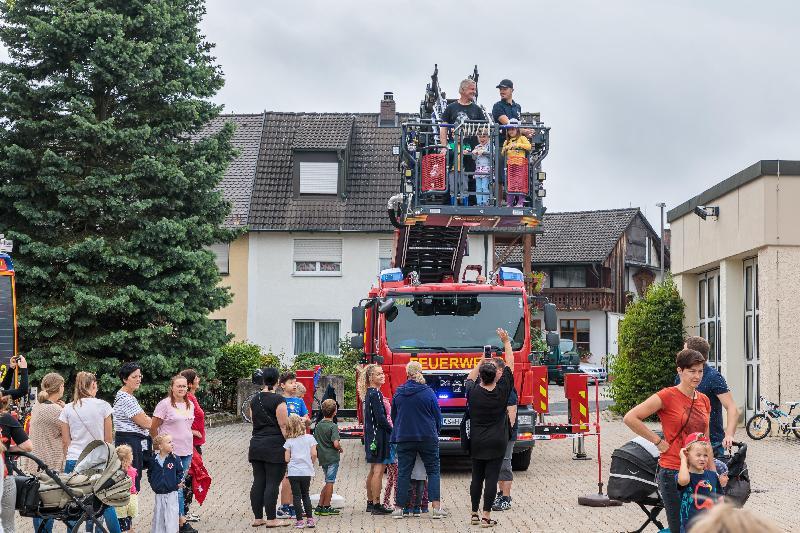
(235, 314)
(779, 297)
(760, 213)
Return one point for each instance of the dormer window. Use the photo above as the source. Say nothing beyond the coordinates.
(317, 173)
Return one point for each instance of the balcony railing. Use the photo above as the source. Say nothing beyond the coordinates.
(573, 299)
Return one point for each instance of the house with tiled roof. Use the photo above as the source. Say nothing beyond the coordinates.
(311, 189)
(594, 263)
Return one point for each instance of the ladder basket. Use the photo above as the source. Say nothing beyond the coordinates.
(433, 177)
(517, 173)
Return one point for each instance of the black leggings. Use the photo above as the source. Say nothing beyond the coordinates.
(267, 479)
(300, 486)
(484, 476)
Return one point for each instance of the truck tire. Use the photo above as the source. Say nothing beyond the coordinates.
(521, 461)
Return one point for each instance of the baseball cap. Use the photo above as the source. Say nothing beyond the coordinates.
(691, 438)
(505, 83)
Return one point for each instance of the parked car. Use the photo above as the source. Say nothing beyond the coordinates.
(563, 359)
(595, 372)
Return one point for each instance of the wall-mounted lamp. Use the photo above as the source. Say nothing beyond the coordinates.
(704, 211)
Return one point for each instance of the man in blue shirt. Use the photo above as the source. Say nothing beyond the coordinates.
(506, 108)
(716, 388)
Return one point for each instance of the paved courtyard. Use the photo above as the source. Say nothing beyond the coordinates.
(545, 497)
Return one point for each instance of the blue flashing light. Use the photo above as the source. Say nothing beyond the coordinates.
(391, 274)
(510, 274)
(444, 396)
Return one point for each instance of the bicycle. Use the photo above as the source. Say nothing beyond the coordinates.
(760, 425)
(316, 402)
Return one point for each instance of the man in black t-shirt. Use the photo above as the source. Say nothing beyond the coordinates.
(455, 113)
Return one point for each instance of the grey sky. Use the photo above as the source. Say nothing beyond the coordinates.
(648, 101)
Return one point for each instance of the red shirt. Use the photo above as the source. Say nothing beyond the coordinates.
(679, 411)
(199, 423)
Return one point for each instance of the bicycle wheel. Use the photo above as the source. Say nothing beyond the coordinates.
(246, 410)
(759, 426)
(796, 426)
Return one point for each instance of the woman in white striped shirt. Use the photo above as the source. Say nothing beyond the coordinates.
(131, 423)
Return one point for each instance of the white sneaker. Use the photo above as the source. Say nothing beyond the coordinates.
(438, 513)
(192, 518)
(399, 513)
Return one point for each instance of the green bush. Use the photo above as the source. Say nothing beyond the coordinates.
(650, 336)
(339, 365)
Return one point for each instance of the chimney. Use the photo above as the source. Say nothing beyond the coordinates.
(667, 238)
(388, 115)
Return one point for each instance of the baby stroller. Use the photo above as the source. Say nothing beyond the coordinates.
(633, 478)
(79, 497)
(738, 490)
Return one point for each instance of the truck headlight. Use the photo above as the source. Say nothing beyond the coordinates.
(525, 420)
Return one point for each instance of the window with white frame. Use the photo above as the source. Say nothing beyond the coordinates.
(317, 257)
(319, 177)
(221, 253)
(319, 336)
(384, 254)
(708, 314)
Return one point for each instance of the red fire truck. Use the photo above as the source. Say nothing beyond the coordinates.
(422, 309)
(8, 307)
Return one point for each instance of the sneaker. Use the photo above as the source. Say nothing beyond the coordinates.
(425, 509)
(191, 517)
(497, 500)
(187, 528)
(290, 510)
(281, 513)
(416, 512)
(381, 510)
(299, 524)
(438, 513)
(370, 507)
(399, 513)
(319, 510)
(505, 505)
(330, 511)
(310, 523)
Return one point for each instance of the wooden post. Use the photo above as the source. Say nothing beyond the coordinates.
(526, 256)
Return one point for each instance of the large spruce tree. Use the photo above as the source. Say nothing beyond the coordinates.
(105, 188)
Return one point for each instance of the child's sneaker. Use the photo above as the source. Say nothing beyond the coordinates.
(400, 513)
(281, 513)
(310, 523)
(319, 510)
(299, 524)
(416, 512)
(497, 500)
(330, 511)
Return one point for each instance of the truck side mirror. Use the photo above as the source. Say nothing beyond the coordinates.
(357, 321)
(550, 317)
(357, 342)
(552, 339)
(386, 305)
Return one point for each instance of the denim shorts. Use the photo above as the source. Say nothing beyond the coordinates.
(330, 472)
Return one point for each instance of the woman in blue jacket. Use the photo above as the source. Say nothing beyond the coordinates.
(417, 420)
(377, 431)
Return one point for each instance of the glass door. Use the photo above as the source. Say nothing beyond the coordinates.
(751, 352)
(708, 314)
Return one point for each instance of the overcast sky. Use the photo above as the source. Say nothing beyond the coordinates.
(648, 101)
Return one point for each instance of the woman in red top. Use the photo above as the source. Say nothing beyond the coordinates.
(682, 411)
(198, 432)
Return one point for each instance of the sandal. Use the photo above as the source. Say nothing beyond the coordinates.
(258, 523)
(488, 522)
(475, 519)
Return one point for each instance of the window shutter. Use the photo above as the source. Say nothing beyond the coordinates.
(385, 248)
(221, 253)
(319, 178)
(318, 250)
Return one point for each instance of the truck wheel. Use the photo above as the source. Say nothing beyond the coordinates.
(521, 461)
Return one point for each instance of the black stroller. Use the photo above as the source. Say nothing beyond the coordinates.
(75, 498)
(633, 479)
(738, 489)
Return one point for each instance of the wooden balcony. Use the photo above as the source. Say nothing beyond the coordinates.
(589, 299)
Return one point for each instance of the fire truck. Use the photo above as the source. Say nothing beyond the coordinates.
(8, 307)
(423, 309)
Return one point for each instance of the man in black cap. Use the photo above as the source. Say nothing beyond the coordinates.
(506, 109)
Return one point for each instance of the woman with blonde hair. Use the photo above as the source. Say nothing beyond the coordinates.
(377, 432)
(85, 419)
(417, 420)
(45, 431)
(724, 518)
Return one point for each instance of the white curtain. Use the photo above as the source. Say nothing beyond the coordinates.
(303, 337)
(329, 338)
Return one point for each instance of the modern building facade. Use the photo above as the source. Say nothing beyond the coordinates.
(736, 260)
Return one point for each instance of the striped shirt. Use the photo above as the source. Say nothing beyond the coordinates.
(126, 406)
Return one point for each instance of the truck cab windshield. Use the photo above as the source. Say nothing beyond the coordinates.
(454, 322)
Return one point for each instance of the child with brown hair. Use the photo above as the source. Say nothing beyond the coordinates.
(699, 487)
(301, 453)
(326, 433)
(127, 513)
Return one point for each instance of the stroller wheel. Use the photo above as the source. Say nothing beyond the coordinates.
(796, 426)
(759, 426)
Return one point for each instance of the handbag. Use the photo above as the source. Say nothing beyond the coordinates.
(27, 502)
(464, 429)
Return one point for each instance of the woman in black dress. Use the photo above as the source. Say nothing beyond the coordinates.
(266, 454)
(377, 434)
(489, 426)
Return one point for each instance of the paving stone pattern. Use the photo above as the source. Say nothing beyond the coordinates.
(545, 497)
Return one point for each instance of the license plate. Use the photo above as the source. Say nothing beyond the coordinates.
(451, 420)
